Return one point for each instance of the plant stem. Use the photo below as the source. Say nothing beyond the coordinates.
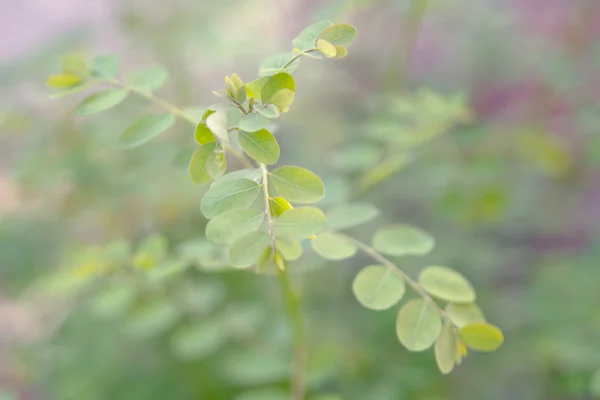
(297, 56)
(265, 186)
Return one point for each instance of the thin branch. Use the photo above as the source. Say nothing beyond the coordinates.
(297, 56)
(265, 186)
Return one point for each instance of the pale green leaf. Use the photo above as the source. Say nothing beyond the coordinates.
(196, 341)
(152, 319)
(74, 89)
(253, 122)
(182, 158)
(340, 52)
(166, 269)
(446, 284)
(217, 123)
(306, 40)
(290, 248)
(197, 167)
(269, 110)
(326, 48)
(297, 184)
(357, 157)
(62, 81)
(401, 240)
(115, 300)
(101, 101)
(283, 99)
(349, 215)
(464, 314)
(445, 349)
(254, 88)
(75, 64)
(378, 287)
(246, 250)
(338, 34)
(481, 336)
(216, 165)
(227, 227)
(278, 205)
(332, 246)
(229, 195)
(418, 325)
(595, 384)
(275, 64)
(253, 174)
(300, 222)
(260, 146)
(263, 394)
(146, 128)
(274, 84)
(203, 135)
(148, 79)
(105, 66)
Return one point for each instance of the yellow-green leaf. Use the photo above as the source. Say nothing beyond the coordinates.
(101, 101)
(418, 325)
(203, 135)
(198, 163)
(445, 349)
(260, 146)
(481, 336)
(279, 205)
(326, 48)
(297, 184)
(340, 52)
(464, 314)
(229, 195)
(283, 99)
(333, 246)
(62, 81)
(446, 284)
(378, 287)
(254, 88)
(307, 38)
(338, 34)
(217, 123)
(276, 83)
(105, 66)
(400, 240)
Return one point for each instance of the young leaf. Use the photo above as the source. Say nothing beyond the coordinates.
(203, 135)
(290, 248)
(62, 81)
(445, 350)
(229, 195)
(269, 261)
(418, 325)
(275, 64)
(75, 64)
(106, 66)
(402, 240)
(269, 110)
(246, 250)
(446, 284)
(73, 89)
(350, 215)
(216, 165)
(253, 174)
(464, 314)
(340, 52)
(274, 84)
(332, 246)
(260, 146)
(197, 168)
(300, 222)
(101, 101)
(146, 128)
(297, 184)
(230, 87)
(227, 227)
(307, 39)
(279, 205)
(152, 319)
(254, 88)
(481, 336)
(196, 341)
(283, 99)
(338, 34)
(378, 287)
(253, 122)
(148, 79)
(217, 123)
(326, 48)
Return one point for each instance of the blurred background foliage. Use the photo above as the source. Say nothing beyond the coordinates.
(474, 120)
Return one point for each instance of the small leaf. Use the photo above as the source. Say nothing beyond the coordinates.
(73, 89)
(401, 240)
(260, 146)
(61, 81)
(229, 195)
(481, 336)
(275, 64)
(101, 101)
(350, 215)
(152, 319)
(326, 48)
(464, 314)
(418, 325)
(307, 39)
(113, 301)
(245, 251)
(237, 82)
(148, 79)
(253, 174)
(290, 248)
(146, 128)
(198, 163)
(300, 222)
(203, 135)
(297, 184)
(253, 122)
(200, 340)
(75, 64)
(445, 350)
(206, 113)
(269, 110)
(338, 34)
(217, 123)
(283, 99)
(274, 84)
(254, 88)
(106, 66)
(216, 165)
(230, 87)
(378, 287)
(227, 227)
(340, 52)
(269, 261)
(332, 246)
(278, 205)
(446, 284)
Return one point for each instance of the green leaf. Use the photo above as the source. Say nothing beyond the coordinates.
(338, 34)
(61, 81)
(260, 146)
(445, 350)
(297, 184)
(115, 300)
(106, 66)
(73, 89)
(446, 284)
(216, 165)
(378, 287)
(269, 110)
(254, 88)
(595, 384)
(227, 227)
(198, 163)
(332, 246)
(340, 52)
(278, 205)
(148, 79)
(253, 122)
(229, 195)
(146, 128)
(307, 39)
(269, 261)
(101, 101)
(283, 99)
(481, 336)
(274, 84)
(300, 222)
(418, 325)
(275, 64)
(203, 135)
(166, 269)
(253, 174)
(349, 215)
(328, 49)
(464, 314)
(245, 251)
(217, 123)
(75, 64)
(401, 240)
(290, 248)
(152, 319)
(196, 341)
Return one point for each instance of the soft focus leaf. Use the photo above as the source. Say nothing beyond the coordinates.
(152, 319)
(307, 39)
(418, 325)
(445, 349)
(297, 184)
(253, 122)
(283, 99)
(333, 246)
(481, 336)
(217, 123)
(278, 205)
(339, 34)
(105, 66)
(300, 222)
(229, 195)
(401, 240)
(446, 284)
(75, 64)
(378, 287)
(349, 215)
(115, 300)
(274, 84)
(340, 52)
(216, 164)
(245, 251)
(61, 81)
(146, 128)
(275, 64)
(196, 341)
(101, 101)
(203, 135)
(290, 248)
(254, 88)
(260, 146)
(148, 79)
(326, 48)
(227, 227)
(464, 314)
(198, 163)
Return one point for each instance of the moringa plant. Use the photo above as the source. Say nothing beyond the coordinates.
(263, 215)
